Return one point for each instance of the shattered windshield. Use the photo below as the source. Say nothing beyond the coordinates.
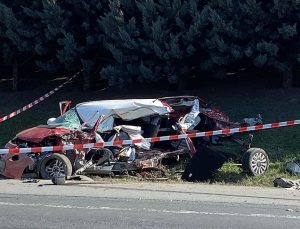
(69, 120)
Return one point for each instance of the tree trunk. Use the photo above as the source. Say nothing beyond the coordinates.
(86, 80)
(15, 76)
(287, 79)
(182, 83)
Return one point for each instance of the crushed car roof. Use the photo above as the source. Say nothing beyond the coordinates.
(128, 109)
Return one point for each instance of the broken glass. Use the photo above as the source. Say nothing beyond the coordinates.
(69, 120)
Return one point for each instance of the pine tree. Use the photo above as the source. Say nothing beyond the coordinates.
(150, 40)
(262, 33)
(71, 36)
(153, 40)
(16, 38)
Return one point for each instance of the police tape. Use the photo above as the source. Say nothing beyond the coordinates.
(153, 139)
(37, 101)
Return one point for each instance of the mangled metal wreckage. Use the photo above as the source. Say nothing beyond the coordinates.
(111, 120)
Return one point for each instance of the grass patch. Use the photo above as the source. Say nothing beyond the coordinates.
(282, 144)
(232, 174)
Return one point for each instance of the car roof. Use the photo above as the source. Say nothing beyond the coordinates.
(127, 109)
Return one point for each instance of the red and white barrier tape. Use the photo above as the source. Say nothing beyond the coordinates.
(37, 101)
(153, 139)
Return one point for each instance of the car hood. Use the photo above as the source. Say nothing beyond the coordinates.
(39, 133)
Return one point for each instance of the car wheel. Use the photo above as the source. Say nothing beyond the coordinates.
(55, 165)
(255, 162)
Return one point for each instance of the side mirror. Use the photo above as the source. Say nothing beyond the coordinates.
(64, 106)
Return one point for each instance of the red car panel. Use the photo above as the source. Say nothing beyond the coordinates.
(38, 134)
(13, 166)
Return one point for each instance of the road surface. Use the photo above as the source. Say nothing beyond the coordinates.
(146, 205)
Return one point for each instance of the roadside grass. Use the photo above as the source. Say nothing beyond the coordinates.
(281, 144)
(232, 174)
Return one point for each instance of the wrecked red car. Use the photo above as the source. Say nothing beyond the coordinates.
(111, 120)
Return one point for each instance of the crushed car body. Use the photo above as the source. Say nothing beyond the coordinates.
(112, 120)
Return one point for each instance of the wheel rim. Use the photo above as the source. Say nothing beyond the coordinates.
(259, 163)
(55, 168)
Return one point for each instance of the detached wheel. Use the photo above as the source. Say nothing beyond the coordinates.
(255, 162)
(54, 166)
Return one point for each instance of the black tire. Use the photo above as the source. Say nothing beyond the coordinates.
(55, 165)
(255, 162)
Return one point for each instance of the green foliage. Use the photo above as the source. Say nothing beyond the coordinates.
(12, 34)
(158, 39)
(70, 33)
(69, 51)
(151, 40)
(57, 33)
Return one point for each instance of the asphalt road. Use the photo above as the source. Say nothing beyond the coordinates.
(149, 205)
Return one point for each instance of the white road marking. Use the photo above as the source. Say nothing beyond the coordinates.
(149, 210)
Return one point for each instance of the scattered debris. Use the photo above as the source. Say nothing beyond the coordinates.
(252, 121)
(59, 179)
(293, 167)
(80, 178)
(293, 210)
(30, 181)
(287, 183)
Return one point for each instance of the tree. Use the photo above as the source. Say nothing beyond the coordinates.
(286, 16)
(71, 38)
(255, 32)
(15, 37)
(151, 40)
